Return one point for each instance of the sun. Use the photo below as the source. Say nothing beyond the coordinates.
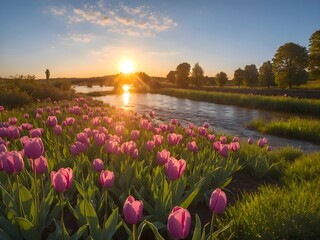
(127, 66)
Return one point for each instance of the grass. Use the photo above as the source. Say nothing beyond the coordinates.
(270, 103)
(297, 128)
(315, 84)
(288, 212)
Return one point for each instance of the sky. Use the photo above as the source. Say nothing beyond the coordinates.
(77, 38)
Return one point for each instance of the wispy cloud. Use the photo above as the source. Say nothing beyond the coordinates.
(56, 11)
(121, 19)
(78, 38)
(164, 53)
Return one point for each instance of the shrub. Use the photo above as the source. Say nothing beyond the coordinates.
(14, 98)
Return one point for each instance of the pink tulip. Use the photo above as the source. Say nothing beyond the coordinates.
(223, 139)
(132, 210)
(174, 121)
(261, 143)
(33, 148)
(211, 137)
(119, 130)
(156, 131)
(128, 147)
(175, 168)
(57, 129)
(179, 222)
(163, 157)
(144, 124)
(202, 131)
(96, 121)
(269, 148)
(1, 108)
(134, 135)
(218, 201)
(99, 139)
(12, 162)
(12, 121)
(206, 125)
(26, 115)
(52, 121)
(250, 141)
(70, 121)
(107, 179)
(36, 132)
(135, 154)
(41, 164)
(62, 179)
(14, 132)
(26, 126)
(163, 127)
(157, 140)
(97, 165)
(149, 145)
(174, 139)
(234, 146)
(3, 148)
(216, 145)
(224, 150)
(192, 146)
(111, 147)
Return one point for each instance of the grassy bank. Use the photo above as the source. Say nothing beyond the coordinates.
(298, 128)
(272, 103)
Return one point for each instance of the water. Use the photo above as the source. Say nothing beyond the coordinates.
(226, 119)
(94, 88)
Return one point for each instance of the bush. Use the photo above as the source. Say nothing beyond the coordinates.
(14, 98)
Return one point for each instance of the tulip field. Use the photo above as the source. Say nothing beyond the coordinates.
(84, 170)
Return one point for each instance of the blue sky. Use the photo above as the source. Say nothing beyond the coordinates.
(76, 38)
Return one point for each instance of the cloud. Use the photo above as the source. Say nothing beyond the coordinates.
(164, 53)
(78, 38)
(121, 19)
(57, 11)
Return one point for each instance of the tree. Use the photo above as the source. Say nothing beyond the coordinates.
(266, 76)
(182, 74)
(238, 77)
(251, 75)
(289, 65)
(314, 55)
(171, 76)
(221, 79)
(197, 75)
(47, 74)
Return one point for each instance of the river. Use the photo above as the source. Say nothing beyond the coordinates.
(225, 119)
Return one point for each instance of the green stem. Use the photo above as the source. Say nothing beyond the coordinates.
(35, 194)
(62, 212)
(212, 225)
(134, 232)
(105, 205)
(19, 198)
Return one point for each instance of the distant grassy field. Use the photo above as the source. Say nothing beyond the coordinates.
(311, 85)
(309, 107)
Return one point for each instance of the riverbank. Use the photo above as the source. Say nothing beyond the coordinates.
(271, 103)
(297, 128)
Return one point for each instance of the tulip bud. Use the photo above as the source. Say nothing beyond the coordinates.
(97, 165)
(132, 210)
(107, 179)
(179, 222)
(62, 179)
(175, 168)
(218, 201)
(12, 162)
(33, 148)
(41, 164)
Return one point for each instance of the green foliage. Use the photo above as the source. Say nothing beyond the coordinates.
(266, 76)
(221, 78)
(182, 74)
(289, 64)
(197, 77)
(301, 128)
(13, 98)
(238, 77)
(292, 212)
(251, 75)
(314, 55)
(171, 76)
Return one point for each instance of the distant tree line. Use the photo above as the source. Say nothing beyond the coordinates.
(292, 65)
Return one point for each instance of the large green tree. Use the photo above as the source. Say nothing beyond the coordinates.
(289, 65)
(171, 76)
(251, 75)
(238, 77)
(314, 55)
(221, 79)
(197, 75)
(266, 76)
(182, 74)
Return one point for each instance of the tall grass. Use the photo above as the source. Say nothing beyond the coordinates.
(272, 103)
(298, 128)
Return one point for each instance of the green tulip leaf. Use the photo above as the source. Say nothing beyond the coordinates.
(110, 226)
(78, 234)
(10, 228)
(29, 231)
(191, 194)
(197, 229)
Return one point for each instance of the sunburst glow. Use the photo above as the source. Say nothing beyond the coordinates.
(127, 66)
(125, 87)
